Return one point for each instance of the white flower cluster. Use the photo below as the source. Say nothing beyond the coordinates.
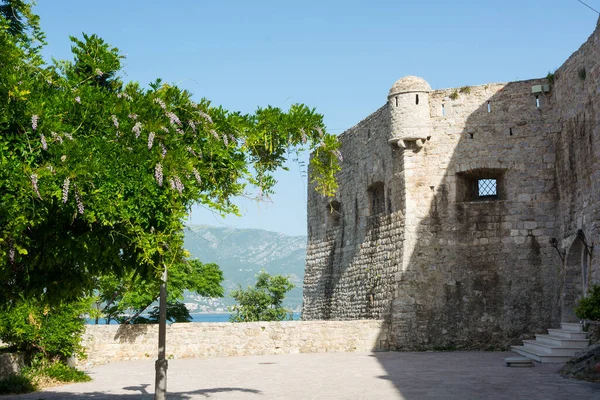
(176, 184)
(34, 183)
(174, 119)
(205, 116)
(158, 174)
(160, 103)
(137, 128)
(197, 176)
(65, 189)
(80, 208)
(124, 95)
(150, 140)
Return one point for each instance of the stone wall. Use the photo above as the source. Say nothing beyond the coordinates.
(11, 364)
(577, 88)
(454, 269)
(351, 263)
(108, 343)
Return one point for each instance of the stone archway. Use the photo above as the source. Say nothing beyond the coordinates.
(575, 278)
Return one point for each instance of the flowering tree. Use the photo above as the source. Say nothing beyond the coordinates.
(97, 175)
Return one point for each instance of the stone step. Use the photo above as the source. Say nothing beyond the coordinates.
(539, 357)
(571, 326)
(560, 333)
(542, 348)
(518, 362)
(562, 342)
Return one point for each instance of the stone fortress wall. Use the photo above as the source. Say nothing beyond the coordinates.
(408, 237)
(109, 343)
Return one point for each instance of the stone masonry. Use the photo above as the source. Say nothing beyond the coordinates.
(108, 343)
(412, 237)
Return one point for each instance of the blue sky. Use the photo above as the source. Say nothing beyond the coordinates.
(338, 56)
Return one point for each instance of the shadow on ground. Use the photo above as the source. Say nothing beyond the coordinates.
(137, 392)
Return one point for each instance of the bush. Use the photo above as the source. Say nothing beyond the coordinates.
(50, 333)
(64, 373)
(589, 306)
(16, 384)
(263, 302)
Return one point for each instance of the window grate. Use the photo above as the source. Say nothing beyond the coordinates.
(487, 187)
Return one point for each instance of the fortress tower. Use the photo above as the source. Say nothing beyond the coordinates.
(410, 119)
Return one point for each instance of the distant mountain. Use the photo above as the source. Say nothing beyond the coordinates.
(241, 254)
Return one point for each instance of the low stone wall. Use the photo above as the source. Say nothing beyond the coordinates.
(107, 343)
(11, 364)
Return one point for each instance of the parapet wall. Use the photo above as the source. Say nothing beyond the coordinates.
(109, 343)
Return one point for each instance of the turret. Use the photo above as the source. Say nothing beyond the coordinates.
(409, 111)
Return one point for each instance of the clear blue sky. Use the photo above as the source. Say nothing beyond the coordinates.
(338, 56)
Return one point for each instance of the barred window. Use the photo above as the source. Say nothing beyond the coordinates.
(480, 184)
(487, 187)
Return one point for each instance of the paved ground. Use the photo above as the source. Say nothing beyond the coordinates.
(451, 375)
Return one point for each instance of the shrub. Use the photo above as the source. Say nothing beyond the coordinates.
(64, 373)
(51, 333)
(465, 89)
(454, 95)
(16, 384)
(589, 306)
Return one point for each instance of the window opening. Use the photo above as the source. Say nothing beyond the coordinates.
(376, 198)
(510, 131)
(334, 214)
(471, 135)
(487, 187)
(537, 101)
(480, 184)
(396, 101)
(443, 110)
(417, 100)
(489, 107)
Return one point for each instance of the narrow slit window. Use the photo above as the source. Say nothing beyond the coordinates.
(510, 132)
(396, 98)
(443, 110)
(489, 107)
(537, 101)
(417, 99)
(487, 188)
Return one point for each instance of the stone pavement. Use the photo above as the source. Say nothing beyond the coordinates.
(390, 375)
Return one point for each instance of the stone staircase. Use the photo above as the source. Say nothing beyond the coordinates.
(558, 346)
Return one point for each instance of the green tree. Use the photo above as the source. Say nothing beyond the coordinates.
(97, 175)
(126, 299)
(264, 301)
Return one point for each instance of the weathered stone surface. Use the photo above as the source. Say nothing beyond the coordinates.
(417, 246)
(584, 365)
(108, 343)
(11, 364)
